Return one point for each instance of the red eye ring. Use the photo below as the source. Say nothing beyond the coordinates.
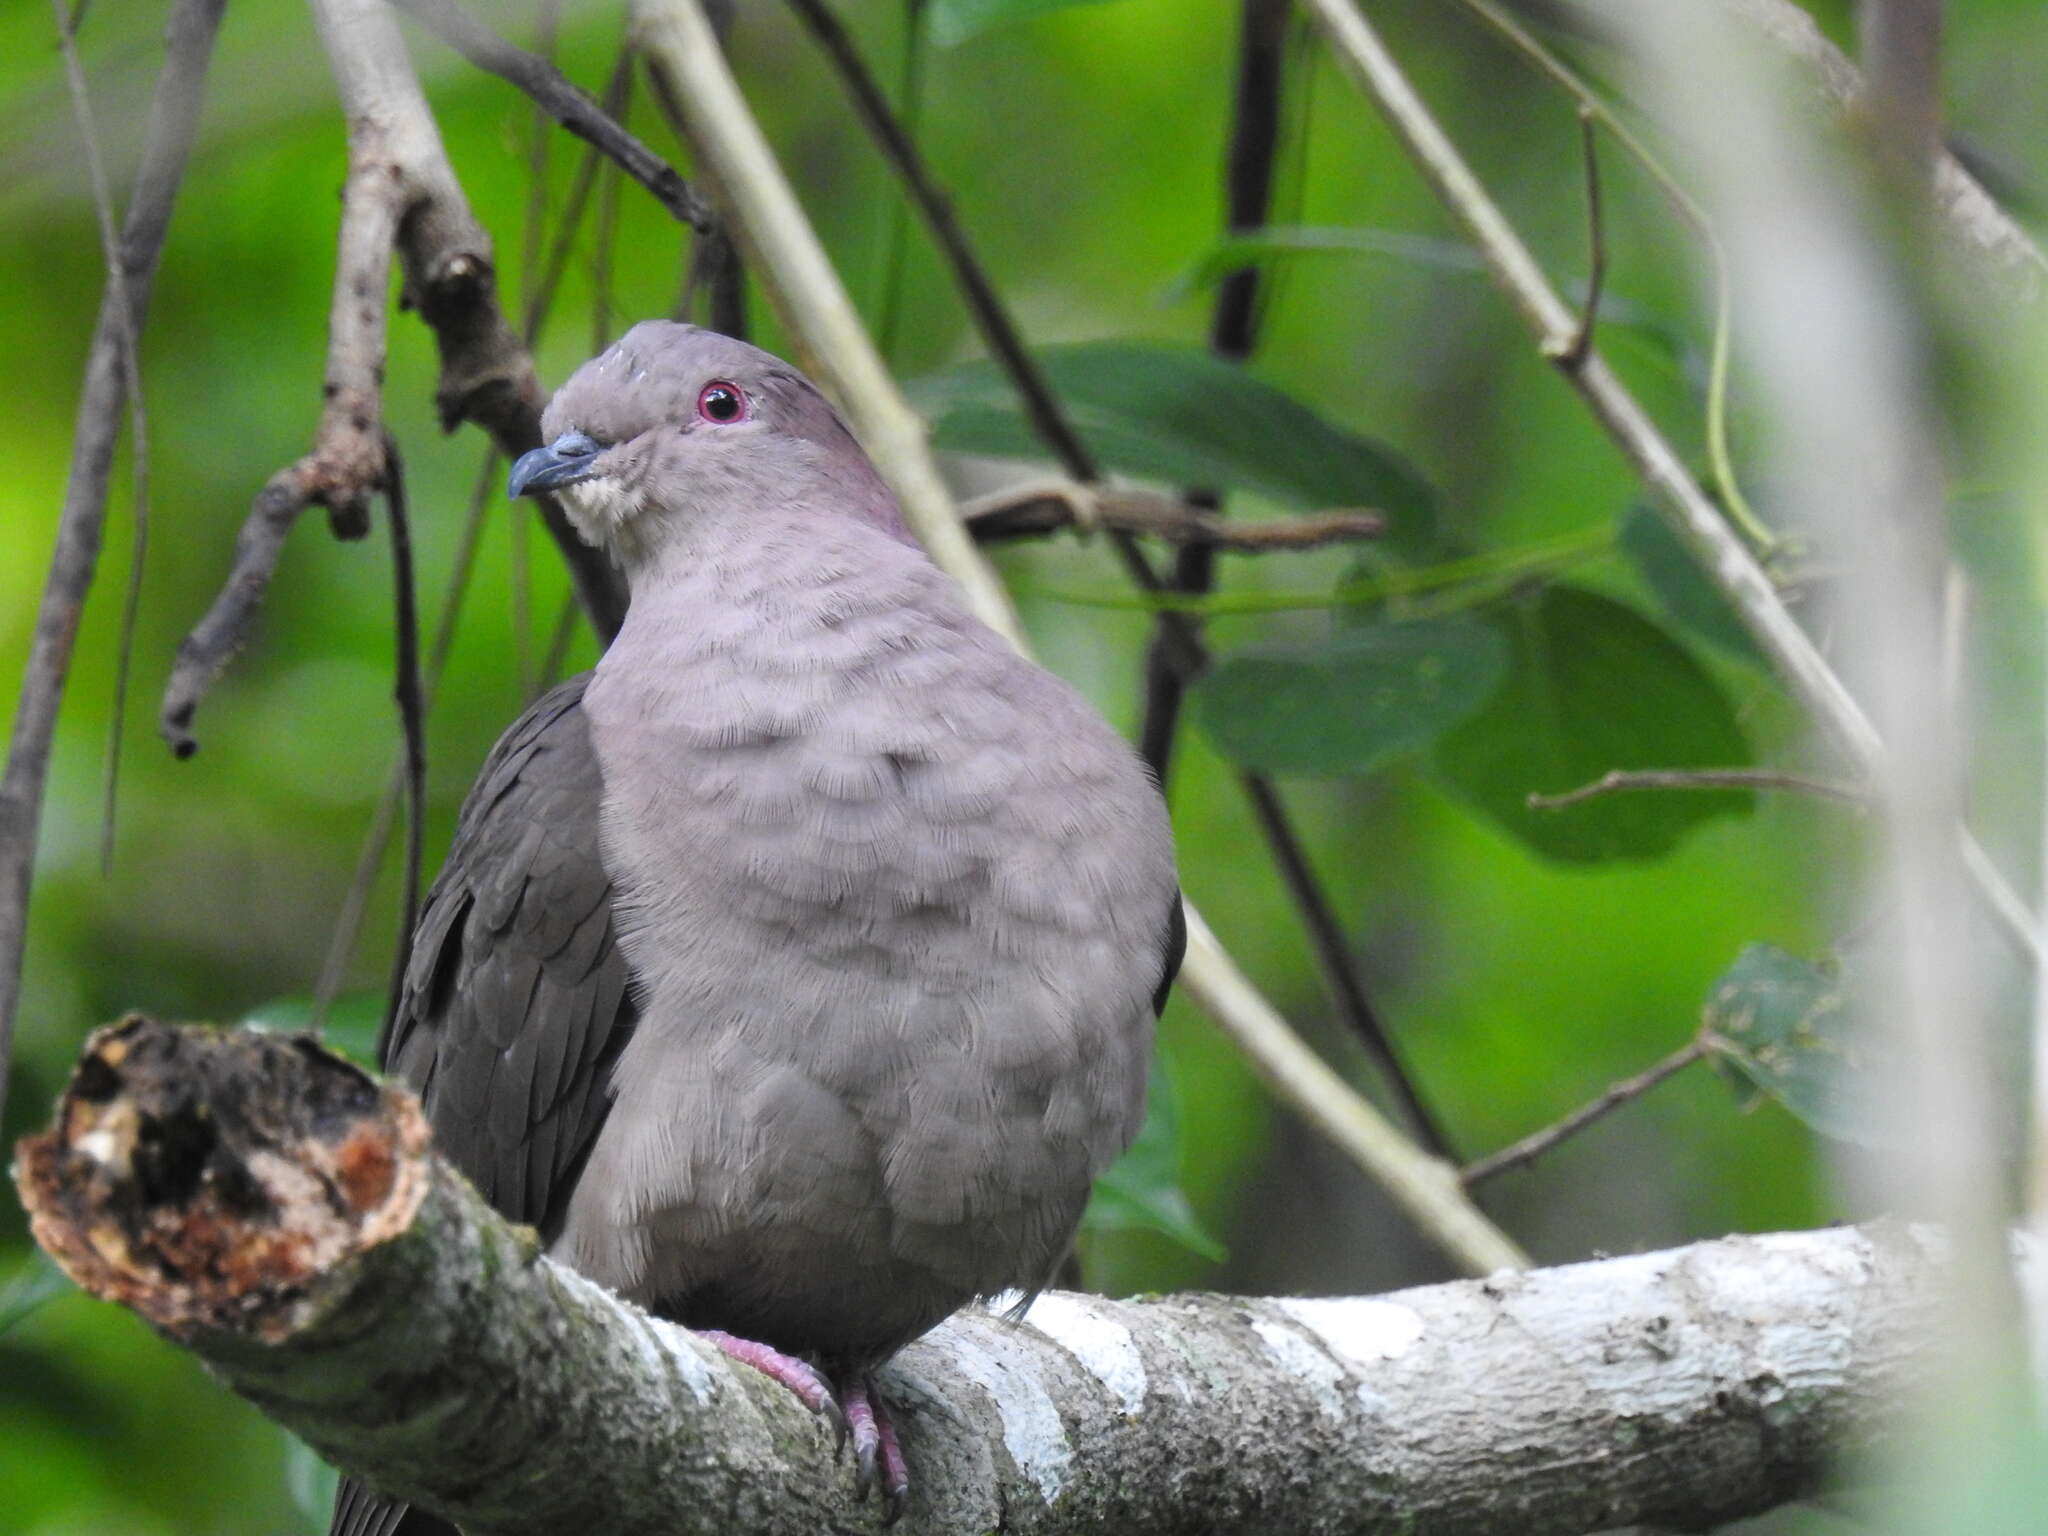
(722, 402)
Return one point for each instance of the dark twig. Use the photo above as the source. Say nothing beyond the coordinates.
(1629, 1089)
(605, 239)
(1233, 333)
(412, 720)
(1333, 957)
(348, 922)
(173, 117)
(131, 369)
(991, 318)
(1032, 511)
(714, 270)
(1596, 240)
(889, 261)
(1177, 638)
(1620, 779)
(539, 139)
(555, 93)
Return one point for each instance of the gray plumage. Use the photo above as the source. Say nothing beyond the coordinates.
(824, 1023)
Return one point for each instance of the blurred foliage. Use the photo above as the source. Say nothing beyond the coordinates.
(1521, 966)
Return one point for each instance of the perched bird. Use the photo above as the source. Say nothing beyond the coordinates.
(793, 972)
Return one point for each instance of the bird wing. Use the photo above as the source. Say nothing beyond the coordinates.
(516, 1000)
(1176, 951)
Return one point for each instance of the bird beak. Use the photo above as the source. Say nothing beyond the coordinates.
(563, 462)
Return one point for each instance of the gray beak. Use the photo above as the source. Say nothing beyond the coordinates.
(563, 462)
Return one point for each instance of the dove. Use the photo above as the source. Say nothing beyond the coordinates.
(794, 972)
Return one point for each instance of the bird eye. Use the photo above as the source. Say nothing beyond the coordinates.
(720, 402)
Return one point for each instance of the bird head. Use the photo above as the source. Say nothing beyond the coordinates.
(673, 425)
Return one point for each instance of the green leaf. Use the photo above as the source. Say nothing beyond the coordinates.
(1177, 414)
(1780, 1023)
(1593, 686)
(353, 1021)
(1680, 586)
(1374, 690)
(1142, 1188)
(951, 22)
(39, 1280)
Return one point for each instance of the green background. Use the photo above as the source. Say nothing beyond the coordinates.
(1083, 150)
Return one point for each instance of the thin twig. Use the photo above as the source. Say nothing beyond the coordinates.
(138, 419)
(826, 330)
(1720, 459)
(539, 139)
(820, 317)
(411, 715)
(889, 260)
(1035, 510)
(1698, 524)
(1596, 243)
(556, 94)
(173, 118)
(1340, 974)
(1177, 654)
(604, 241)
(348, 922)
(1703, 778)
(401, 195)
(1048, 418)
(345, 465)
(1626, 1091)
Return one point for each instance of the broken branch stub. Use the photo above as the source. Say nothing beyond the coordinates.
(214, 1180)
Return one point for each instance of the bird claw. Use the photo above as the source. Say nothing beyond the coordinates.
(803, 1380)
(877, 1456)
(855, 1411)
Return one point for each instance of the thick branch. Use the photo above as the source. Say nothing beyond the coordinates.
(277, 1212)
(173, 118)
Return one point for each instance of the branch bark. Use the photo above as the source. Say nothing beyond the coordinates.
(173, 119)
(281, 1214)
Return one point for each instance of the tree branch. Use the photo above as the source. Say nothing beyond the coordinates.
(1693, 517)
(402, 196)
(555, 94)
(1972, 219)
(280, 1214)
(1625, 1091)
(1619, 779)
(1034, 510)
(821, 319)
(124, 303)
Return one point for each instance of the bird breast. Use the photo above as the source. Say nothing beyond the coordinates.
(891, 895)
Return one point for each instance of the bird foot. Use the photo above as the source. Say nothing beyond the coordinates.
(804, 1380)
(877, 1457)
